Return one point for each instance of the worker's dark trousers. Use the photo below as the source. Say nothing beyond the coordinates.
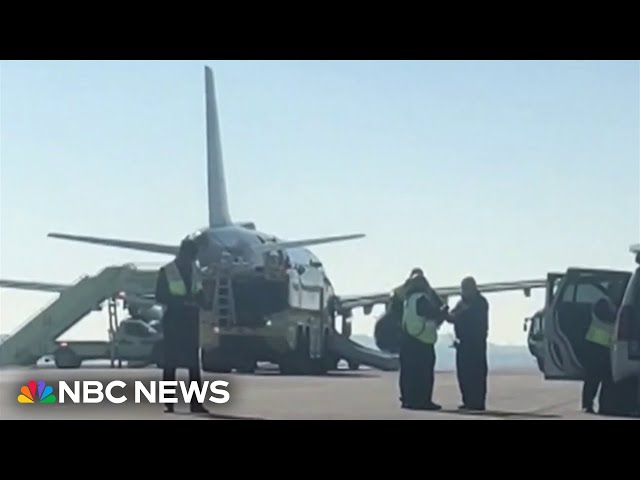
(169, 374)
(417, 365)
(472, 371)
(592, 381)
(597, 375)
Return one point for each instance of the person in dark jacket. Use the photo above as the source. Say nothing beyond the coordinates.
(470, 318)
(179, 289)
(423, 313)
(597, 362)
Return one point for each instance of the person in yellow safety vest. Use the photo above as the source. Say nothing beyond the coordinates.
(421, 318)
(179, 289)
(597, 359)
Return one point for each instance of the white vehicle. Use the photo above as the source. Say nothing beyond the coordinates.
(625, 352)
(133, 341)
(568, 314)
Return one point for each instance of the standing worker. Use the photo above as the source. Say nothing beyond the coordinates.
(470, 318)
(179, 289)
(421, 318)
(388, 329)
(597, 362)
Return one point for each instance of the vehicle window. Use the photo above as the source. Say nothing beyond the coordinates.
(616, 289)
(569, 293)
(590, 293)
(591, 288)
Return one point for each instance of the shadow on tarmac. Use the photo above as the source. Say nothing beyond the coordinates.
(501, 414)
(215, 416)
(335, 374)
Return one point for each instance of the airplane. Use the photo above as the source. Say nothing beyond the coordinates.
(241, 244)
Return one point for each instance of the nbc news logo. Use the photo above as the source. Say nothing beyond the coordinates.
(43, 393)
(92, 391)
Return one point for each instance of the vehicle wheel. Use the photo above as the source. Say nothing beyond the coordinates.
(353, 365)
(64, 357)
(213, 363)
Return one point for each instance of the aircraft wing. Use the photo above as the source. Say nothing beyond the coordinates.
(38, 286)
(284, 244)
(367, 301)
(140, 300)
(113, 242)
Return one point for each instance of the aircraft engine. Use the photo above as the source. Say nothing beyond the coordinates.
(389, 327)
(387, 333)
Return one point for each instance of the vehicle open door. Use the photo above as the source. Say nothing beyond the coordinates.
(625, 351)
(569, 314)
(553, 282)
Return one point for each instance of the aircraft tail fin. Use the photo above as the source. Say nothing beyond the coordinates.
(218, 207)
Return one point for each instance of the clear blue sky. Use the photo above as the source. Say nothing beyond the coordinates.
(504, 170)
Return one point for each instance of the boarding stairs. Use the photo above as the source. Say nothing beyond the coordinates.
(37, 336)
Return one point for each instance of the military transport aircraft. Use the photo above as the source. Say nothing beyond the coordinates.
(241, 244)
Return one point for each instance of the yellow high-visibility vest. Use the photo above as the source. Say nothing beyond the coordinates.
(176, 283)
(600, 333)
(415, 325)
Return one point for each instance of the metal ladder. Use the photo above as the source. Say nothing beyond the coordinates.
(113, 327)
(223, 302)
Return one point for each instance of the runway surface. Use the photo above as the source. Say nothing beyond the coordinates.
(366, 394)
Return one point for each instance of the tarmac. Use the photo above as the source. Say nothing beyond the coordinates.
(343, 395)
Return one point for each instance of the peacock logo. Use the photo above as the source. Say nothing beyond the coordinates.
(44, 393)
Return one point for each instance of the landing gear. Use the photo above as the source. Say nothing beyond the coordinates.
(213, 362)
(353, 365)
(297, 362)
(64, 357)
(326, 362)
(246, 366)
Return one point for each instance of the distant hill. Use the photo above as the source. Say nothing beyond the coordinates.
(500, 356)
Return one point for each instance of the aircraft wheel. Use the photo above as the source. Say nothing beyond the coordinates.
(64, 357)
(353, 365)
(247, 367)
